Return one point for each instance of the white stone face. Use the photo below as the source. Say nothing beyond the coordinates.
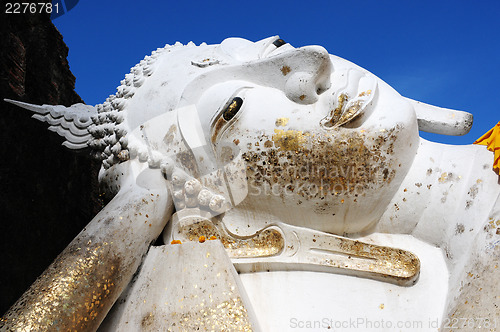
(320, 136)
(342, 176)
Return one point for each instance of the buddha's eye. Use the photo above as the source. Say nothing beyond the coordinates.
(279, 42)
(232, 108)
(276, 47)
(228, 113)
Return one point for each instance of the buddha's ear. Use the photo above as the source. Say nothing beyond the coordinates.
(72, 123)
(444, 121)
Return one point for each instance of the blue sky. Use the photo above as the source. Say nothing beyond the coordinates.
(440, 52)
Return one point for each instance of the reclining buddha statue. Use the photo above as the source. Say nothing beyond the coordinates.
(262, 187)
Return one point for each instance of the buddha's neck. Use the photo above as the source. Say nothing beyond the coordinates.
(449, 190)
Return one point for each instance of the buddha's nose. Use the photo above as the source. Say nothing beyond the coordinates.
(309, 74)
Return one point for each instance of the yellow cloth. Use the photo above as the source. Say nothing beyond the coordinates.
(492, 140)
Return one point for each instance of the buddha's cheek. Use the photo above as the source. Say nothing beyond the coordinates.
(346, 176)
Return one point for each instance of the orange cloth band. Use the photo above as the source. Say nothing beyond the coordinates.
(492, 140)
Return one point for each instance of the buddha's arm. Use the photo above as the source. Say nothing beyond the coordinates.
(77, 290)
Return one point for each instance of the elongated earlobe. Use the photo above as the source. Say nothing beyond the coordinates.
(444, 121)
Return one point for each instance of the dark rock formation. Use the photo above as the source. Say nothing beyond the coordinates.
(48, 193)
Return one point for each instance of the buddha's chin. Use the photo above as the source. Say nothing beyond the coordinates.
(337, 215)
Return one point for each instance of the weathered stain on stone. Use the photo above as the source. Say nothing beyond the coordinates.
(281, 122)
(147, 321)
(321, 165)
(448, 177)
(170, 135)
(268, 144)
(285, 70)
(289, 140)
(187, 160)
(219, 124)
(473, 191)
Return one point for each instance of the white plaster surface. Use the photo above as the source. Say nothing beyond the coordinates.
(310, 301)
